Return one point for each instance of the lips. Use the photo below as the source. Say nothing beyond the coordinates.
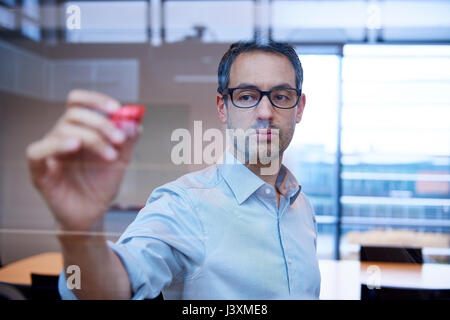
(264, 134)
(263, 131)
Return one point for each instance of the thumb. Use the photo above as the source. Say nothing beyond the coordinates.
(41, 155)
(53, 165)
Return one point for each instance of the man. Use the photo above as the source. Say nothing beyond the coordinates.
(225, 232)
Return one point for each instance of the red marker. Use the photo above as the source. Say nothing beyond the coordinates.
(128, 116)
(129, 112)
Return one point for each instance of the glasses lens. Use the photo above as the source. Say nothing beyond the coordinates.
(245, 98)
(284, 98)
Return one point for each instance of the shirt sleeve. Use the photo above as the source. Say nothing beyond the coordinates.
(165, 243)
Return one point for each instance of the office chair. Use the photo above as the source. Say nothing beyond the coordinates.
(9, 292)
(44, 287)
(389, 293)
(397, 254)
(391, 254)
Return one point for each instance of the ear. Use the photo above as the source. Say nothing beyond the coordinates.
(300, 108)
(221, 108)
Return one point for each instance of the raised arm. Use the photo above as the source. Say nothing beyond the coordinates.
(77, 167)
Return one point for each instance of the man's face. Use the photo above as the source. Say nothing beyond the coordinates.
(265, 71)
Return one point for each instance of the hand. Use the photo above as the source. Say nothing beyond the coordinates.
(78, 166)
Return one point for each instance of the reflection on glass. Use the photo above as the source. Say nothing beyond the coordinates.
(209, 21)
(7, 18)
(9, 2)
(110, 21)
(31, 29)
(316, 21)
(30, 9)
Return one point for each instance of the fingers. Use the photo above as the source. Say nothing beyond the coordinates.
(79, 104)
(51, 146)
(43, 155)
(93, 100)
(85, 126)
(95, 121)
(40, 151)
(91, 140)
(80, 101)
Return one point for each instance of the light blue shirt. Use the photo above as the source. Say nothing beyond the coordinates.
(218, 234)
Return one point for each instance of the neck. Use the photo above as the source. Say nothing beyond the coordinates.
(256, 169)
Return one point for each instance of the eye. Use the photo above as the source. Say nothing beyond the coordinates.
(247, 96)
(280, 97)
(283, 96)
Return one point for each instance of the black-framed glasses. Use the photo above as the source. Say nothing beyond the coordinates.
(250, 97)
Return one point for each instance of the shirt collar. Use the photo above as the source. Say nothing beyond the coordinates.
(241, 180)
(287, 184)
(244, 183)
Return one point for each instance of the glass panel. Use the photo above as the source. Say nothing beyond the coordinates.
(110, 21)
(30, 8)
(343, 21)
(210, 21)
(396, 146)
(429, 13)
(318, 21)
(31, 29)
(311, 154)
(11, 3)
(7, 18)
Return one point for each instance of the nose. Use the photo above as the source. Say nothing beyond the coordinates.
(265, 109)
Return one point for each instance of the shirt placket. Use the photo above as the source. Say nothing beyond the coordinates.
(283, 241)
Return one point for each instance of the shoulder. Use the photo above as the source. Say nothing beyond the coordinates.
(302, 197)
(174, 201)
(205, 178)
(201, 179)
(306, 206)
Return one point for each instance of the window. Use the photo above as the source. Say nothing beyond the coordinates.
(318, 21)
(311, 155)
(11, 3)
(209, 21)
(395, 147)
(349, 20)
(7, 18)
(30, 19)
(110, 21)
(395, 141)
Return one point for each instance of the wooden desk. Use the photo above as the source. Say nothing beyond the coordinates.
(341, 280)
(19, 272)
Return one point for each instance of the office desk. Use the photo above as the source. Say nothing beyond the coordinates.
(19, 272)
(340, 279)
(343, 279)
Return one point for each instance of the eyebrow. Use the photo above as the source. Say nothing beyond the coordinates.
(252, 86)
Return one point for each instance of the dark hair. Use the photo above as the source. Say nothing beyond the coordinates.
(237, 48)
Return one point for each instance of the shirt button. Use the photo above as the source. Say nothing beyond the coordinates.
(267, 190)
(289, 261)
